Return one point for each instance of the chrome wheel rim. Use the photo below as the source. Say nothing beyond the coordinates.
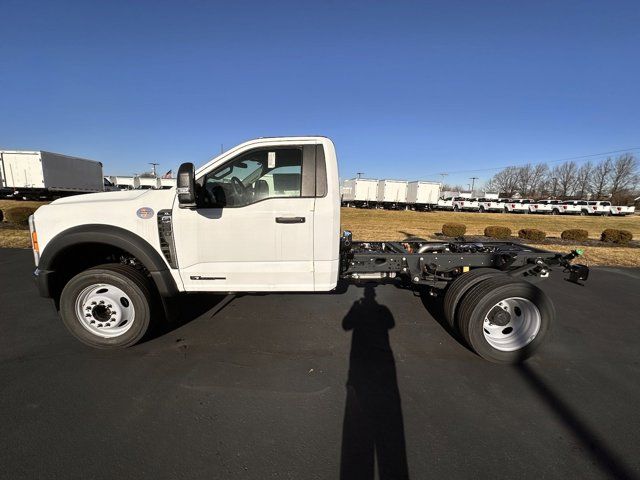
(105, 310)
(515, 328)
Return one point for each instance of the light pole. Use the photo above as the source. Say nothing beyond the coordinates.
(473, 182)
(153, 168)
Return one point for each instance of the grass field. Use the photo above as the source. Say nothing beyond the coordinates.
(397, 225)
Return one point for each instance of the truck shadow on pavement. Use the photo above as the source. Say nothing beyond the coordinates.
(373, 428)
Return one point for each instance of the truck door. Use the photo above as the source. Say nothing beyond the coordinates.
(253, 227)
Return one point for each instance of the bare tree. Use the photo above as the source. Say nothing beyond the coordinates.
(600, 178)
(623, 175)
(505, 181)
(583, 179)
(537, 179)
(565, 173)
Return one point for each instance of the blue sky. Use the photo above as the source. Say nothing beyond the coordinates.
(405, 89)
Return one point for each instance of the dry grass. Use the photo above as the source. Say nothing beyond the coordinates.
(397, 225)
(13, 238)
(5, 203)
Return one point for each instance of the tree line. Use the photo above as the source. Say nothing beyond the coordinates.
(616, 179)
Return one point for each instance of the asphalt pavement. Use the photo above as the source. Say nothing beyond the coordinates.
(295, 386)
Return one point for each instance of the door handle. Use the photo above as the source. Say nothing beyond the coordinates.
(290, 219)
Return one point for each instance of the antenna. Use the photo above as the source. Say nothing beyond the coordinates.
(473, 182)
(153, 168)
(359, 174)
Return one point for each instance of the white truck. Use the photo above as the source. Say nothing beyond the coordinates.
(360, 192)
(40, 174)
(518, 206)
(423, 195)
(122, 182)
(491, 205)
(621, 210)
(544, 206)
(265, 217)
(464, 204)
(392, 194)
(445, 203)
(568, 207)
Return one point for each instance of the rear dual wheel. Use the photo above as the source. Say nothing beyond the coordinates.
(505, 320)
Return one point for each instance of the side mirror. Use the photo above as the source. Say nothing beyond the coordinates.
(186, 186)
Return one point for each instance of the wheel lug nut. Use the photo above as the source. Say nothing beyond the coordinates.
(101, 302)
(99, 324)
(93, 303)
(109, 306)
(93, 321)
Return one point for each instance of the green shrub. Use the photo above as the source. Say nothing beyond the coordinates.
(454, 229)
(18, 215)
(613, 235)
(495, 231)
(532, 234)
(577, 234)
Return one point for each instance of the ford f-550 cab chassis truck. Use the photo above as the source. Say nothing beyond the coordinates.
(265, 217)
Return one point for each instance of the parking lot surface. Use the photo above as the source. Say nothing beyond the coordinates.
(320, 386)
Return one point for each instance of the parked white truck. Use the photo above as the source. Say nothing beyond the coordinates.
(423, 195)
(40, 174)
(265, 217)
(360, 192)
(392, 194)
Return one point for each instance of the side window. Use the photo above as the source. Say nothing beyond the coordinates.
(253, 177)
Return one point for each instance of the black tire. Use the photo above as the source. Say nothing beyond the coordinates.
(460, 286)
(481, 299)
(555, 211)
(481, 210)
(129, 280)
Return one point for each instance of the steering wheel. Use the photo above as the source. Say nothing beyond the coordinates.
(238, 187)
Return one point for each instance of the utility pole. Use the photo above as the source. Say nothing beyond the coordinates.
(359, 174)
(221, 148)
(473, 182)
(443, 175)
(153, 168)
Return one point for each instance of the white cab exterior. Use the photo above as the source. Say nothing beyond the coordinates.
(518, 206)
(225, 249)
(491, 205)
(466, 204)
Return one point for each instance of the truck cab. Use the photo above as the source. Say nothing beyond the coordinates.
(264, 217)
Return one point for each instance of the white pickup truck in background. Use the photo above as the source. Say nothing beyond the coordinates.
(544, 206)
(518, 206)
(491, 205)
(568, 207)
(461, 204)
(445, 203)
(620, 210)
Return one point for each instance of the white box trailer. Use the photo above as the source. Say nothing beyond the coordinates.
(122, 182)
(146, 183)
(37, 174)
(166, 183)
(423, 195)
(359, 192)
(392, 193)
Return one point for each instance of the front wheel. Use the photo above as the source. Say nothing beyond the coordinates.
(505, 320)
(108, 306)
